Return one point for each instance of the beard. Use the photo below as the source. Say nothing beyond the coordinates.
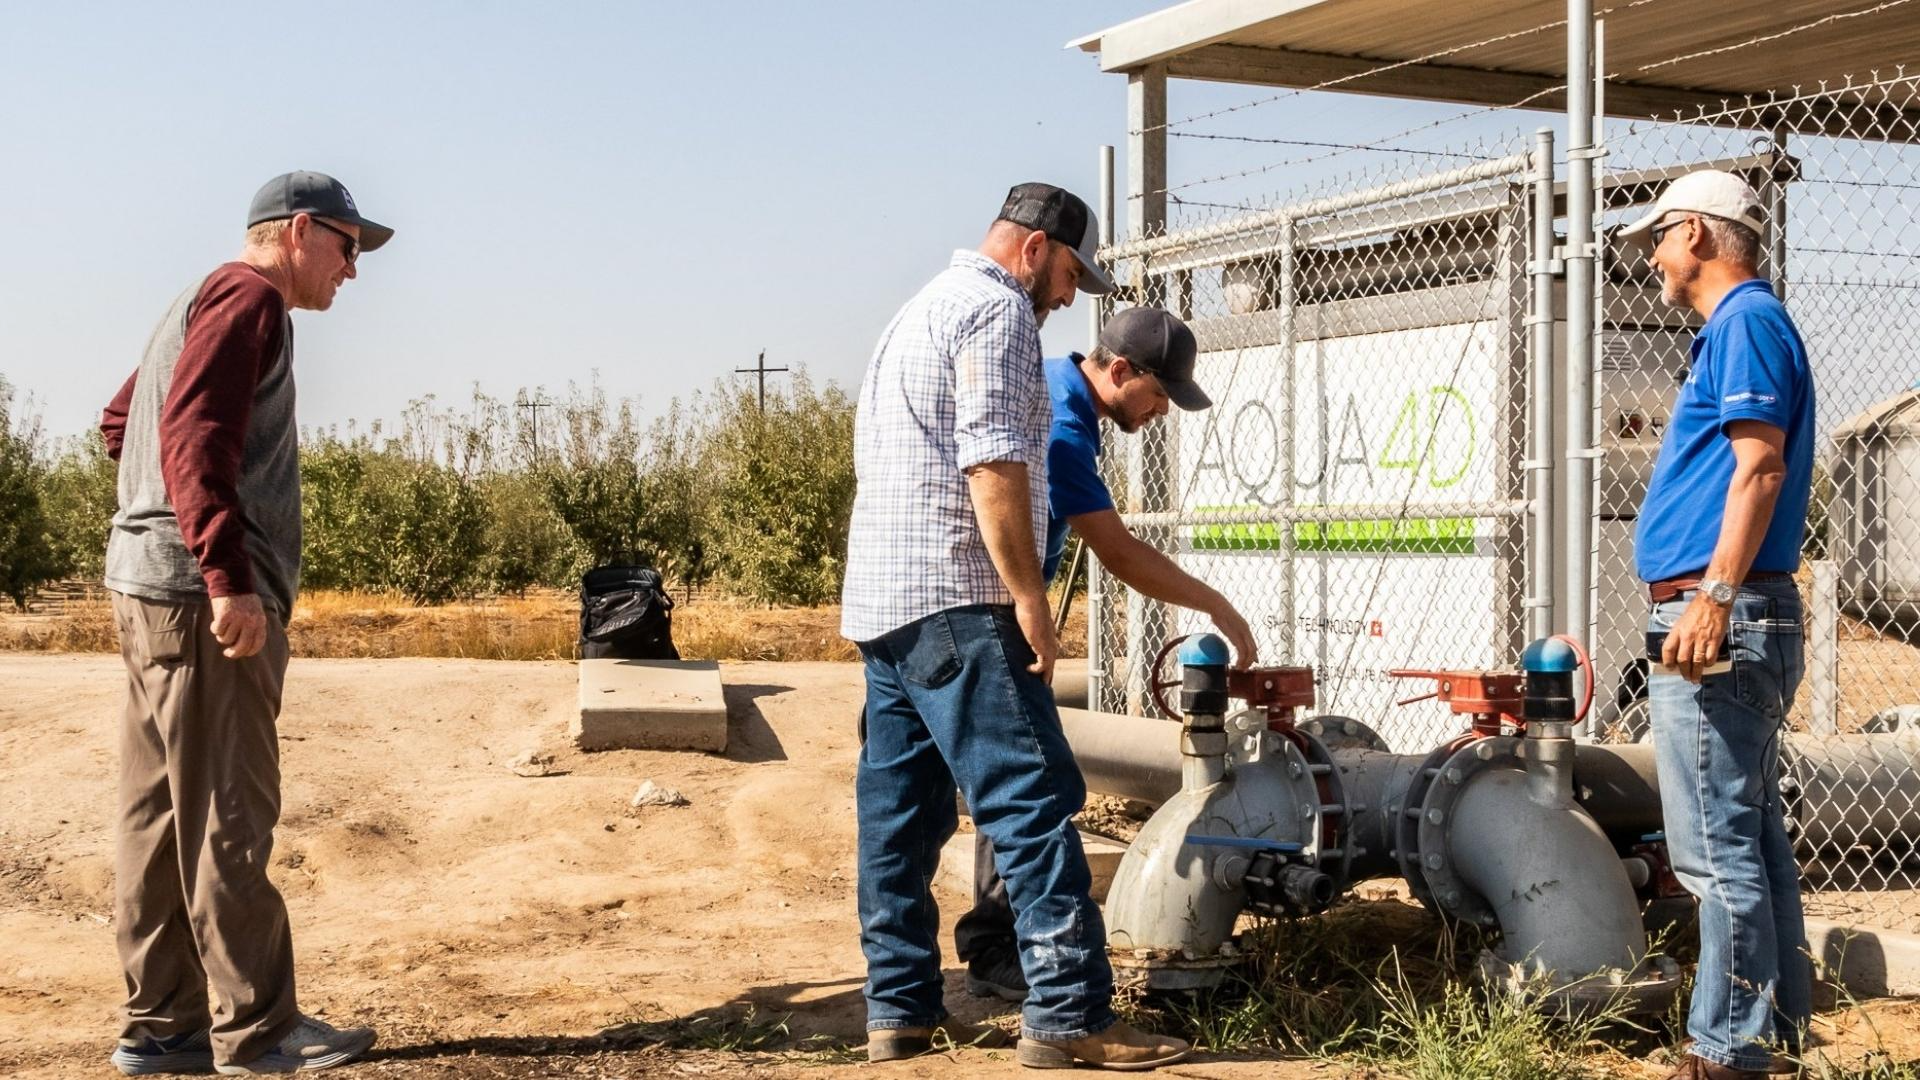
(1675, 290)
(1033, 282)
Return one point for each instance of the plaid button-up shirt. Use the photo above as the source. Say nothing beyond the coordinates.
(956, 382)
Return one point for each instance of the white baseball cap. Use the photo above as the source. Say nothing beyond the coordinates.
(1708, 191)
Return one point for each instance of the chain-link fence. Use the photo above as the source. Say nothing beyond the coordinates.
(1838, 167)
(1362, 488)
(1356, 488)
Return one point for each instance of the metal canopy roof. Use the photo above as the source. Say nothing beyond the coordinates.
(1661, 55)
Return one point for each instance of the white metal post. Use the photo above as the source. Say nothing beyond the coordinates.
(1542, 616)
(1147, 475)
(1096, 574)
(1576, 599)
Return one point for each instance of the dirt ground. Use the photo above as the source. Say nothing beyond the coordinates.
(489, 924)
(493, 925)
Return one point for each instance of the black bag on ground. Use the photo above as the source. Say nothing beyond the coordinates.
(625, 614)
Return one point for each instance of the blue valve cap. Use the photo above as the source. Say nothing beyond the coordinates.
(1549, 655)
(1203, 650)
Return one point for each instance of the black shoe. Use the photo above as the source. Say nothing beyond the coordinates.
(997, 974)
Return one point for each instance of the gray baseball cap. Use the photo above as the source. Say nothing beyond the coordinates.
(1063, 217)
(1155, 342)
(317, 194)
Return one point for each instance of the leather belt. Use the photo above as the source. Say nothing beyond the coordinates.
(1662, 591)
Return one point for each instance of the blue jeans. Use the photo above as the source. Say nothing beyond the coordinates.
(950, 701)
(1717, 744)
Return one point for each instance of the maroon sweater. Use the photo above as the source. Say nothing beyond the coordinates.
(234, 331)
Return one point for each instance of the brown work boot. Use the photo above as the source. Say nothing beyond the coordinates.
(895, 1044)
(1699, 1068)
(1122, 1046)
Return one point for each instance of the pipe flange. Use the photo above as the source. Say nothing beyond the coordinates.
(1406, 819)
(1173, 969)
(1331, 848)
(1343, 733)
(1454, 899)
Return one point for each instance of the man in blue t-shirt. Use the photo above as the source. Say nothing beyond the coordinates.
(1143, 363)
(1717, 543)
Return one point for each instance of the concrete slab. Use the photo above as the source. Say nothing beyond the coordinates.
(651, 705)
(956, 863)
(1869, 961)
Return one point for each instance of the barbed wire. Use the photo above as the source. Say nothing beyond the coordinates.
(1334, 145)
(1762, 38)
(1376, 144)
(1853, 283)
(1380, 145)
(1851, 251)
(1877, 184)
(1352, 76)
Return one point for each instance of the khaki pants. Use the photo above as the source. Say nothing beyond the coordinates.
(199, 797)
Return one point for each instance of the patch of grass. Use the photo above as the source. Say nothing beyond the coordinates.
(744, 1031)
(1469, 1031)
(1309, 986)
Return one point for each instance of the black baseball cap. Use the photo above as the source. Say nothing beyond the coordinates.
(1155, 342)
(317, 194)
(1062, 216)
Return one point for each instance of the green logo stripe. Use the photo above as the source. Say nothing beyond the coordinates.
(1413, 536)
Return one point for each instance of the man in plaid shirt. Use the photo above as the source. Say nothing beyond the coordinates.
(945, 598)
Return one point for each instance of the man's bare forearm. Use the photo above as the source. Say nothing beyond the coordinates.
(1751, 496)
(1148, 571)
(1001, 497)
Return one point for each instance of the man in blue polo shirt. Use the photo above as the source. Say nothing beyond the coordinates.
(1143, 363)
(1717, 543)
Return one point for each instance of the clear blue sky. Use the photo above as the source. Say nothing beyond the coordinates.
(654, 191)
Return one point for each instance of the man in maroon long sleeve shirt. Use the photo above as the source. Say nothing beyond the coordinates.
(204, 564)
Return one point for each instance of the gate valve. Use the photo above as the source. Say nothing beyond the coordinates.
(1276, 691)
(1491, 698)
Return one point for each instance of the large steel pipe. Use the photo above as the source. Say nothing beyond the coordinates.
(1129, 756)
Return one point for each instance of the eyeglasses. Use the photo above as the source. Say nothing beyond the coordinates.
(1659, 232)
(353, 246)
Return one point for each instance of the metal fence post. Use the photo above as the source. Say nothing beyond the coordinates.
(1578, 512)
(1147, 479)
(1542, 616)
(1097, 658)
(1289, 409)
(1823, 647)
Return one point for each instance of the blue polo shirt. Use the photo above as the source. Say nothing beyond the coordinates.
(1073, 456)
(1748, 364)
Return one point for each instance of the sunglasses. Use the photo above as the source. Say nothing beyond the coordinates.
(1659, 232)
(352, 252)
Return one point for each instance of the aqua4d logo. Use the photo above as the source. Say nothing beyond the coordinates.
(1432, 435)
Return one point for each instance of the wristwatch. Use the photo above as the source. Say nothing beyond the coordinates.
(1717, 591)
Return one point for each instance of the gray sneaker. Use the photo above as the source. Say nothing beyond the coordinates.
(186, 1053)
(312, 1044)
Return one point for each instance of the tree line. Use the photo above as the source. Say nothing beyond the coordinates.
(495, 496)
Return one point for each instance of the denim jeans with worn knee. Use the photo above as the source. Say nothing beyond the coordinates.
(1717, 745)
(950, 702)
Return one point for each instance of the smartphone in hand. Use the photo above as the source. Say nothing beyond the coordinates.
(1657, 640)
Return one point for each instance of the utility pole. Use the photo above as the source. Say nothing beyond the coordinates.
(535, 407)
(760, 368)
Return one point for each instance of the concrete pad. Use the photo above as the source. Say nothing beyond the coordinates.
(956, 863)
(651, 705)
(1869, 961)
